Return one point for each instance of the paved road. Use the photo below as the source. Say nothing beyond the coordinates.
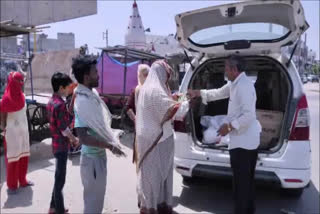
(206, 196)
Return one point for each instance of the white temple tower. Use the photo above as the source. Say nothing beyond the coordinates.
(135, 36)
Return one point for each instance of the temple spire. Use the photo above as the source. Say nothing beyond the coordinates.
(135, 36)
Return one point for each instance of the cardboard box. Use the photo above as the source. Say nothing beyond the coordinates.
(271, 122)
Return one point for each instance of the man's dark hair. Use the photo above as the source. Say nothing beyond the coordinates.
(238, 62)
(60, 79)
(81, 66)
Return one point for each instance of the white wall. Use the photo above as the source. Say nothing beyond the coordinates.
(8, 45)
(35, 12)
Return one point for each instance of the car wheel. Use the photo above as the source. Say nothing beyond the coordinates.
(295, 193)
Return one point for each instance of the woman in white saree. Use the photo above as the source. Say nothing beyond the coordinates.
(155, 144)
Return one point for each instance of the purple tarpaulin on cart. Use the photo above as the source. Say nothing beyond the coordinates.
(111, 81)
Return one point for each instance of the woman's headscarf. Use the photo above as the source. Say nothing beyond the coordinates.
(153, 104)
(159, 75)
(13, 98)
(143, 71)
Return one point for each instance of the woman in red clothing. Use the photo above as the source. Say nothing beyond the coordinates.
(16, 142)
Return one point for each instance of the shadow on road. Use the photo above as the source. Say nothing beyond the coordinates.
(75, 159)
(127, 139)
(40, 155)
(22, 199)
(215, 196)
(39, 158)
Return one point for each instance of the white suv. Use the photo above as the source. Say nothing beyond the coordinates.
(258, 31)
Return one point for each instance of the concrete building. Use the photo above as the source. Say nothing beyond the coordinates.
(34, 13)
(163, 45)
(312, 56)
(64, 41)
(9, 45)
(166, 46)
(135, 36)
(44, 65)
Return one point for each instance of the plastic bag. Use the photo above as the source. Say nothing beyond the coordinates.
(212, 125)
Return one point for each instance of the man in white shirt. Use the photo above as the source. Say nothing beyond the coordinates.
(243, 128)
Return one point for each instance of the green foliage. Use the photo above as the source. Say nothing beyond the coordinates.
(315, 69)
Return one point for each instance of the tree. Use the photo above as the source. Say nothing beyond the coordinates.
(315, 69)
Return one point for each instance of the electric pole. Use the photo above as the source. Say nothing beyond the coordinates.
(105, 36)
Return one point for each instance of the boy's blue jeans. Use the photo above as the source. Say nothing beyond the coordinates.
(59, 180)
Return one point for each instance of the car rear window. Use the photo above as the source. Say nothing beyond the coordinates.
(243, 31)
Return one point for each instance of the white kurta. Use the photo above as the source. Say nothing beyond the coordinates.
(17, 135)
(241, 111)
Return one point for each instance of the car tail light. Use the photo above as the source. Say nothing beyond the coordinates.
(183, 168)
(180, 126)
(301, 123)
(288, 180)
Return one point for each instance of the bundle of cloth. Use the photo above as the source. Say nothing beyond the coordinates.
(92, 109)
(211, 125)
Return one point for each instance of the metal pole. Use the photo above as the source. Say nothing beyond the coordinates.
(34, 40)
(107, 37)
(305, 50)
(102, 58)
(299, 71)
(30, 67)
(125, 73)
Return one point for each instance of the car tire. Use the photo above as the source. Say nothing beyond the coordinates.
(294, 193)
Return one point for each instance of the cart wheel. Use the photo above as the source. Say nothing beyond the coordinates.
(39, 117)
(39, 121)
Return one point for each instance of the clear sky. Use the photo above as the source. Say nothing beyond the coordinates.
(158, 16)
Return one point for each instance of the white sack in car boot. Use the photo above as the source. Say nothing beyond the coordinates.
(212, 125)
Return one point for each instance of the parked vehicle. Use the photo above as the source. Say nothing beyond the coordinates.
(282, 109)
(304, 79)
(314, 78)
